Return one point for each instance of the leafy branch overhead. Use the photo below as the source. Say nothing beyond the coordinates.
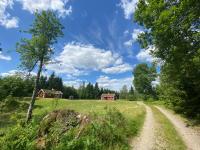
(173, 28)
(45, 30)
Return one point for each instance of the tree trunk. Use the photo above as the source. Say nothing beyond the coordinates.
(29, 113)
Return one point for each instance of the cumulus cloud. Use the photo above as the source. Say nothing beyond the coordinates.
(18, 73)
(5, 18)
(128, 7)
(145, 54)
(75, 83)
(4, 57)
(9, 21)
(118, 69)
(79, 59)
(22, 73)
(54, 5)
(134, 37)
(114, 84)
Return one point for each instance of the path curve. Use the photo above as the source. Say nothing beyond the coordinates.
(190, 136)
(146, 139)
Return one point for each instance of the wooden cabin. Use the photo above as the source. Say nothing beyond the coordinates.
(44, 93)
(108, 96)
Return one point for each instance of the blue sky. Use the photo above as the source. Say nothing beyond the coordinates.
(99, 43)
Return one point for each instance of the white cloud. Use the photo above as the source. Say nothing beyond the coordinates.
(134, 37)
(3, 57)
(22, 73)
(17, 72)
(126, 32)
(128, 7)
(8, 21)
(145, 54)
(54, 5)
(75, 83)
(118, 69)
(5, 18)
(128, 43)
(114, 84)
(78, 59)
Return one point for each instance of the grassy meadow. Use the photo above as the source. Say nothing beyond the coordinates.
(131, 111)
(128, 108)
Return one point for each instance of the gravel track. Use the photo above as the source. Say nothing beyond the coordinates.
(146, 139)
(190, 136)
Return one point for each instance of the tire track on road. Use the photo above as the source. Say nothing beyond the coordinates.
(190, 136)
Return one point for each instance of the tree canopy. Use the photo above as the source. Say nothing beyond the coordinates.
(143, 77)
(44, 31)
(173, 28)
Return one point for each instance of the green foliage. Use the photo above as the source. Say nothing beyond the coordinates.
(19, 137)
(123, 93)
(45, 30)
(132, 95)
(15, 86)
(143, 77)
(108, 131)
(53, 82)
(9, 104)
(88, 91)
(105, 132)
(173, 28)
(91, 91)
(70, 91)
(37, 50)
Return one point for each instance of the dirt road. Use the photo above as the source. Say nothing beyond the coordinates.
(146, 139)
(148, 136)
(190, 136)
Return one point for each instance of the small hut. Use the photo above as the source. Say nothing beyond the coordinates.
(44, 93)
(108, 96)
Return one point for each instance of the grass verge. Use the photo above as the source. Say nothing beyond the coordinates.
(167, 136)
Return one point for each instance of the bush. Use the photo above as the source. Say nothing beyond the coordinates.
(9, 103)
(109, 131)
(62, 129)
(20, 137)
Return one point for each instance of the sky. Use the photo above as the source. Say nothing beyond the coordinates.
(99, 42)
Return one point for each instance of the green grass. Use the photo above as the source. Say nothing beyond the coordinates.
(133, 113)
(129, 109)
(166, 133)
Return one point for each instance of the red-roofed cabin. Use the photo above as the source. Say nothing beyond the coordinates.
(44, 93)
(108, 97)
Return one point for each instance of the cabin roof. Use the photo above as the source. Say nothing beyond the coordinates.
(109, 94)
(51, 91)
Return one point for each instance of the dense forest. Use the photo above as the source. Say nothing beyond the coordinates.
(20, 86)
(172, 28)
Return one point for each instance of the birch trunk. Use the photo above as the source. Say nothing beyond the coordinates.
(30, 109)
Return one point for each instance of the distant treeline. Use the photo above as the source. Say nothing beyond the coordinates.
(18, 86)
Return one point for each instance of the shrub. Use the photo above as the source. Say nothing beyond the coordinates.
(9, 103)
(65, 129)
(105, 132)
(20, 137)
